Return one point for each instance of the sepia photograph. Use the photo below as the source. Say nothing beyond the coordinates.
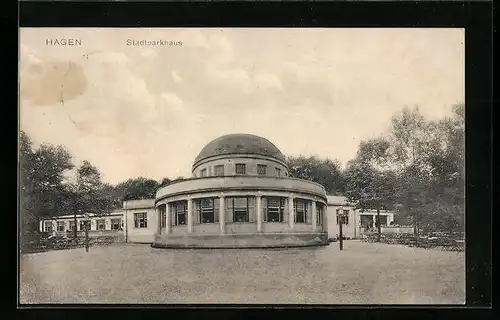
(242, 166)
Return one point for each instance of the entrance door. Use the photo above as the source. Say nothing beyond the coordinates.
(367, 223)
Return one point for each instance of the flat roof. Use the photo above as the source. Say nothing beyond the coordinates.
(91, 215)
(139, 204)
(339, 200)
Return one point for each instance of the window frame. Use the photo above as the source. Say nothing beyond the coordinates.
(112, 222)
(221, 173)
(305, 211)
(60, 224)
(259, 171)
(138, 224)
(240, 165)
(100, 222)
(345, 216)
(199, 210)
(280, 209)
(235, 212)
(319, 214)
(163, 217)
(277, 171)
(48, 225)
(179, 208)
(203, 172)
(83, 223)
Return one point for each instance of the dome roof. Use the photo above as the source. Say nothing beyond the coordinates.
(240, 143)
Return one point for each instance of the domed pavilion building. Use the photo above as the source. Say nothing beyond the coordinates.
(240, 195)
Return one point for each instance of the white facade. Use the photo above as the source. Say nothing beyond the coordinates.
(356, 222)
(64, 224)
(141, 220)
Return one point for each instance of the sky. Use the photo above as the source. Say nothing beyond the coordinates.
(149, 110)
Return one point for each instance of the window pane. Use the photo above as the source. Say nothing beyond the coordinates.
(261, 169)
(181, 218)
(240, 203)
(141, 220)
(179, 212)
(319, 214)
(240, 216)
(239, 207)
(207, 203)
(206, 210)
(300, 211)
(219, 170)
(273, 202)
(274, 212)
(60, 226)
(101, 225)
(240, 168)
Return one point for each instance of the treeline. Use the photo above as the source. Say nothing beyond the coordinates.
(416, 168)
(51, 185)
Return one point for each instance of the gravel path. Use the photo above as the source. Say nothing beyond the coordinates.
(364, 273)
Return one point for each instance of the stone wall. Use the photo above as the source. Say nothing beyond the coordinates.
(242, 241)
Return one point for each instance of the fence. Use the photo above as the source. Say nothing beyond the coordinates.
(47, 243)
(445, 242)
(397, 230)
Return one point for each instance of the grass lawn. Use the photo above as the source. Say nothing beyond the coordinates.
(364, 273)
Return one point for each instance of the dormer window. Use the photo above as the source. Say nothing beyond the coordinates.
(241, 168)
(278, 172)
(261, 169)
(219, 170)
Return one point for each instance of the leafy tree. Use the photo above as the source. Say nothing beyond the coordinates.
(411, 144)
(447, 178)
(91, 195)
(323, 171)
(164, 182)
(418, 167)
(42, 178)
(138, 188)
(27, 185)
(369, 188)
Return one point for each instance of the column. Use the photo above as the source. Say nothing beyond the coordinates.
(355, 222)
(314, 214)
(259, 211)
(291, 217)
(222, 211)
(158, 213)
(190, 215)
(168, 218)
